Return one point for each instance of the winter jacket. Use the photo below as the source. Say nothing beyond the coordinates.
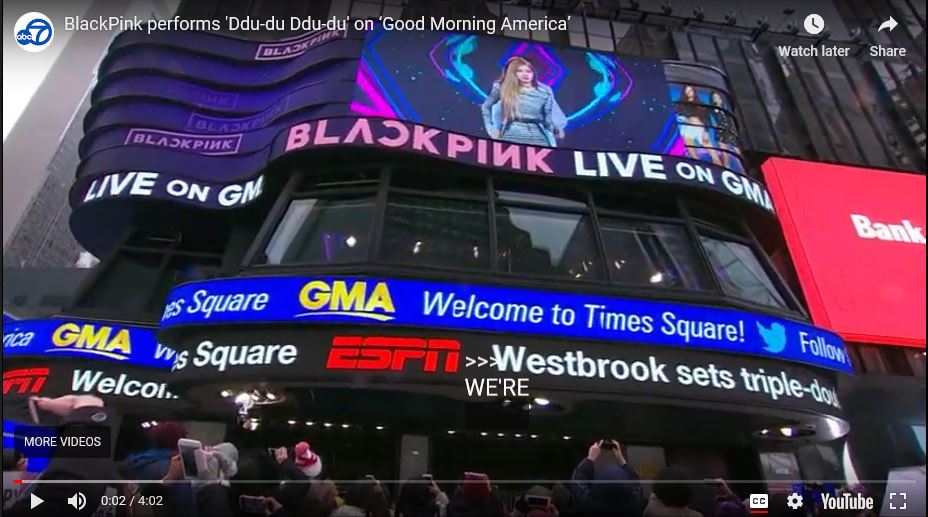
(346, 510)
(461, 507)
(595, 499)
(657, 508)
(153, 464)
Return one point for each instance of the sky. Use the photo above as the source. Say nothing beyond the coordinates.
(23, 71)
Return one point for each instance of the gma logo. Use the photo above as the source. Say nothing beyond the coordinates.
(102, 340)
(347, 298)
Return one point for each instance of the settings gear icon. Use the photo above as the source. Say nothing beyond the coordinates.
(794, 501)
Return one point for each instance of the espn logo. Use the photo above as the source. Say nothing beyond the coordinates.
(25, 380)
(389, 353)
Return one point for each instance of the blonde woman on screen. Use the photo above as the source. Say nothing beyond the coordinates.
(522, 110)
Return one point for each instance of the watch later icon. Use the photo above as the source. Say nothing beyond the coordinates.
(814, 24)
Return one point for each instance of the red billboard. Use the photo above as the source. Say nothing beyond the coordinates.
(857, 239)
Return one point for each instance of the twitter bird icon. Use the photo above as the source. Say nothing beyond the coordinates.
(774, 337)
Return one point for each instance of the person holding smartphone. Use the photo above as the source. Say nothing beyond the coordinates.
(254, 491)
(537, 501)
(476, 497)
(420, 497)
(727, 502)
(605, 483)
(153, 464)
(364, 498)
(672, 494)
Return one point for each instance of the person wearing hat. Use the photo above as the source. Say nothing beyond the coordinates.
(605, 484)
(221, 464)
(476, 498)
(532, 503)
(304, 465)
(154, 464)
(421, 497)
(307, 460)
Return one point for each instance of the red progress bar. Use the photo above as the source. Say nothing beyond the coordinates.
(758, 512)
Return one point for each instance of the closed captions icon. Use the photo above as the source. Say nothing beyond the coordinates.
(759, 504)
(33, 32)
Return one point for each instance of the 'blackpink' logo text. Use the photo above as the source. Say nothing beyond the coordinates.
(297, 46)
(569, 163)
(396, 134)
(206, 124)
(211, 145)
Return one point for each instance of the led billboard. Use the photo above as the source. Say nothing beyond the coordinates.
(857, 240)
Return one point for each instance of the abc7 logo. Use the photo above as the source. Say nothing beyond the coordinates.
(34, 31)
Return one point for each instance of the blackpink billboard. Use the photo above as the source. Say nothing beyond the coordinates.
(186, 116)
(517, 91)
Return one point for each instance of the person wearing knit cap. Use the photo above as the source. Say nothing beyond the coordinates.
(221, 464)
(307, 461)
(476, 498)
(153, 463)
(226, 455)
(166, 435)
(522, 508)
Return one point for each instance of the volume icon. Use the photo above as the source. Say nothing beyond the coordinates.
(78, 501)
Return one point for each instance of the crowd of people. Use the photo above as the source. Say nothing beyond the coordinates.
(291, 481)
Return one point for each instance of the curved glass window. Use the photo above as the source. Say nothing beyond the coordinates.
(323, 231)
(740, 272)
(643, 253)
(451, 185)
(152, 265)
(130, 268)
(504, 226)
(436, 232)
(536, 198)
(539, 242)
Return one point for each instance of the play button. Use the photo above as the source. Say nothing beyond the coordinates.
(34, 501)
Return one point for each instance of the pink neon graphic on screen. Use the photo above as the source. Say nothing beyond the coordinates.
(378, 107)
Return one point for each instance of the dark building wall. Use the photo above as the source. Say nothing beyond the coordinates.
(39, 292)
(882, 411)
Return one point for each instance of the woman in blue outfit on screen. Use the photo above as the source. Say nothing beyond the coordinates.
(522, 110)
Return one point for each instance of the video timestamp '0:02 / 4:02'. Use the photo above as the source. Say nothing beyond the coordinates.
(141, 500)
